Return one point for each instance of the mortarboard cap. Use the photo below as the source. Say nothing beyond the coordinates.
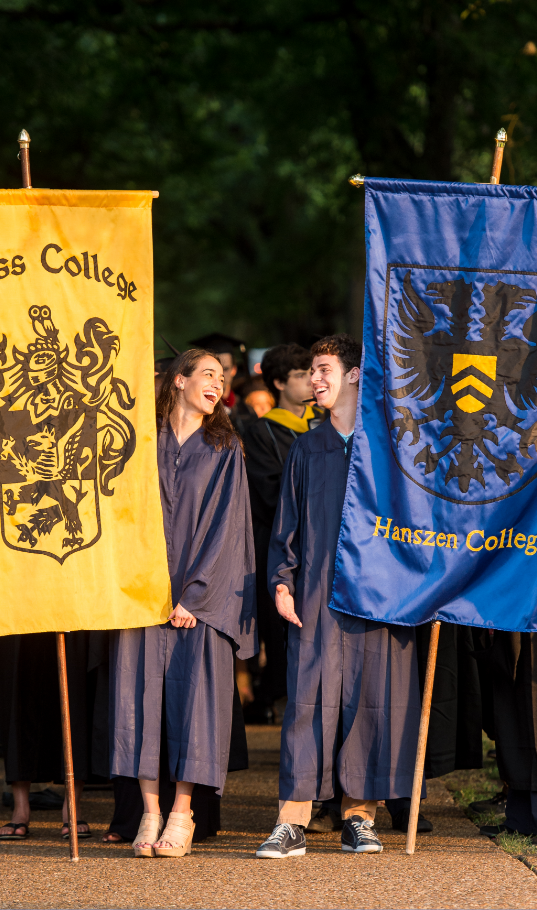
(163, 364)
(219, 343)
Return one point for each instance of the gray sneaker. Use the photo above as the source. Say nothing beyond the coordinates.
(286, 840)
(359, 836)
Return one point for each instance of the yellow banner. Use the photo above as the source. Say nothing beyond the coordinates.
(82, 543)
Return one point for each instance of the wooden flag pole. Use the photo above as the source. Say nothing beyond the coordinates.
(67, 747)
(501, 139)
(422, 738)
(24, 155)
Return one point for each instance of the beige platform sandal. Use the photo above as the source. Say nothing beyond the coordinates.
(148, 833)
(178, 832)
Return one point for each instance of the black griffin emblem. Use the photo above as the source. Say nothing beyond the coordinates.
(63, 436)
(471, 389)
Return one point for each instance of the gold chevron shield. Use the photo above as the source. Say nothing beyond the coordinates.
(462, 363)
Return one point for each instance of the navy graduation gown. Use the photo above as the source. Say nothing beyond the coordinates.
(341, 669)
(209, 543)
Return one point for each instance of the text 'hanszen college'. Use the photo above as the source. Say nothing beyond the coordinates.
(475, 540)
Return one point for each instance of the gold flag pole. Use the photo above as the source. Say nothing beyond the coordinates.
(24, 156)
(358, 181)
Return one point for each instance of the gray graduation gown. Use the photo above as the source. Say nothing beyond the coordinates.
(209, 542)
(345, 672)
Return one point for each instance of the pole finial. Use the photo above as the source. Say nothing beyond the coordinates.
(501, 139)
(24, 157)
(24, 139)
(357, 180)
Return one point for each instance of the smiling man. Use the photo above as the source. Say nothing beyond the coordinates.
(354, 703)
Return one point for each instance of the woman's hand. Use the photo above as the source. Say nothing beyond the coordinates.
(182, 619)
(285, 605)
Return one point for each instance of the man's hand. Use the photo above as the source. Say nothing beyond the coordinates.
(285, 605)
(181, 618)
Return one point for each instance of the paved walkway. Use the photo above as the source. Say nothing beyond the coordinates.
(452, 868)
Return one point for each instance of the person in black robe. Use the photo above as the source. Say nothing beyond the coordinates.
(454, 741)
(512, 660)
(181, 673)
(353, 706)
(30, 720)
(454, 738)
(286, 373)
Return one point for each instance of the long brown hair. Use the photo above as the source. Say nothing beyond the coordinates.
(218, 430)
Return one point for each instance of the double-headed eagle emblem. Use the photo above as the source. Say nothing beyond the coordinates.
(468, 386)
(63, 436)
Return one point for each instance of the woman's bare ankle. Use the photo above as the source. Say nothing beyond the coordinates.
(20, 816)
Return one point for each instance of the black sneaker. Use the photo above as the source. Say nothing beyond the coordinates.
(359, 836)
(43, 799)
(325, 821)
(494, 830)
(497, 804)
(286, 840)
(401, 819)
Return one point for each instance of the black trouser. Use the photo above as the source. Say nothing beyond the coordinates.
(270, 625)
(521, 811)
(393, 805)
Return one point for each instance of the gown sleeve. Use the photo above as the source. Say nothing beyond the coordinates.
(219, 580)
(284, 556)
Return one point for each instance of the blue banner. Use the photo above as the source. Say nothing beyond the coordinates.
(440, 516)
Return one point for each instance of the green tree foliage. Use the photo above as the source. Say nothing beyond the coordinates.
(249, 117)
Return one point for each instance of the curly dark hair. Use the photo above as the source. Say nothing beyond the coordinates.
(218, 429)
(278, 362)
(344, 347)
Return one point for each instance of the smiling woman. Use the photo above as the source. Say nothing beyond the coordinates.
(179, 678)
(190, 397)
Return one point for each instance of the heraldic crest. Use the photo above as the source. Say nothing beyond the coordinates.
(463, 411)
(63, 436)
